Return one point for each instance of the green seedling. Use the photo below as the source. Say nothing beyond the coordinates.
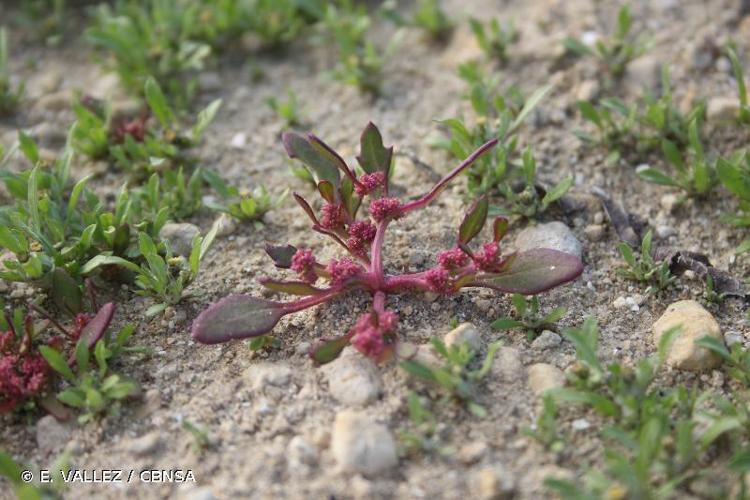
(360, 62)
(545, 429)
(10, 95)
(287, 110)
(736, 358)
(743, 116)
(163, 275)
(264, 342)
(200, 440)
(494, 39)
(644, 268)
(613, 55)
(695, 175)
(734, 173)
(43, 20)
(710, 295)
(430, 17)
(93, 390)
(422, 435)
(243, 205)
(276, 22)
(527, 317)
(456, 376)
(523, 197)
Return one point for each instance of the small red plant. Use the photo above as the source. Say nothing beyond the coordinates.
(374, 333)
(24, 373)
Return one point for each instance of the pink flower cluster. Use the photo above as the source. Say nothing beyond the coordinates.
(342, 270)
(303, 263)
(333, 216)
(369, 334)
(361, 234)
(369, 182)
(22, 375)
(489, 258)
(453, 258)
(382, 208)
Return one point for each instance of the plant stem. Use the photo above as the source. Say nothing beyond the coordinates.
(440, 186)
(299, 305)
(376, 268)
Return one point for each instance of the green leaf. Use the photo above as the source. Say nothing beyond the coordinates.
(9, 469)
(531, 103)
(205, 117)
(558, 191)
(82, 356)
(672, 154)
(33, 199)
(716, 346)
(57, 362)
(473, 220)
(373, 155)
(577, 47)
(534, 271)
(589, 112)
(290, 287)
(418, 370)
(75, 194)
(309, 151)
(157, 102)
(107, 260)
(734, 178)
(72, 397)
(28, 147)
(656, 176)
(328, 350)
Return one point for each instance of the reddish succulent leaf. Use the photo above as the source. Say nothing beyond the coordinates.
(327, 191)
(473, 220)
(306, 207)
(534, 271)
(97, 326)
(373, 156)
(281, 255)
(500, 228)
(290, 287)
(236, 317)
(309, 151)
(326, 351)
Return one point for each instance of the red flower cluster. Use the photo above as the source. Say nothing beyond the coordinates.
(23, 375)
(384, 207)
(361, 234)
(368, 335)
(369, 182)
(342, 270)
(303, 263)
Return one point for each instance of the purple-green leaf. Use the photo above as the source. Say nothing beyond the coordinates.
(236, 317)
(97, 326)
(473, 220)
(500, 228)
(290, 287)
(373, 155)
(281, 255)
(534, 271)
(306, 207)
(326, 351)
(312, 152)
(327, 191)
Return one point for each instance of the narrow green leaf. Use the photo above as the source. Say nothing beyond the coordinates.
(474, 220)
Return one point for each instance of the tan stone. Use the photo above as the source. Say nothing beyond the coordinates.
(695, 322)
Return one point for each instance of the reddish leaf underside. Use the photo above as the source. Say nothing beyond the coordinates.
(97, 326)
(534, 271)
(281, 255)
(236, 317)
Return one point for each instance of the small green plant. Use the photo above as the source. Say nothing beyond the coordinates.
(162, 275)
(243, 205)
(10, 95)
(695, 175)
(527, 317)
(360, 62)
(264, 342)
(734, 173)
(644, 268)
(545, 430)
(201, 442)
(432, 19)
(710, 294)
(523, 198)
(287, 110)
(744, 113)
(92, 389)
(25, 487)
(459, 380)
(422, 435)
(736, 358)
(614, 55)
(494, 39)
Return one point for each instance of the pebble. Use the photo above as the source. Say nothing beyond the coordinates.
(493, 483)
(626, 303)
(668, 202)
(644, 72)
(665, 231)
(360, 445)
(587, 90)
(594, 232)
(143, 445)
(267, 373)
(731, 338)
(546, 340)
(554, 235)
(180, 236)
(239, 140)
(56, 101)
(472, 452)
(543, 377)
(52, 435)
(580, 424)
(226, 225)
(507, 366)
(465, 333)
(721, 109)
(696, 322)
(300, 452)
(353, 379)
